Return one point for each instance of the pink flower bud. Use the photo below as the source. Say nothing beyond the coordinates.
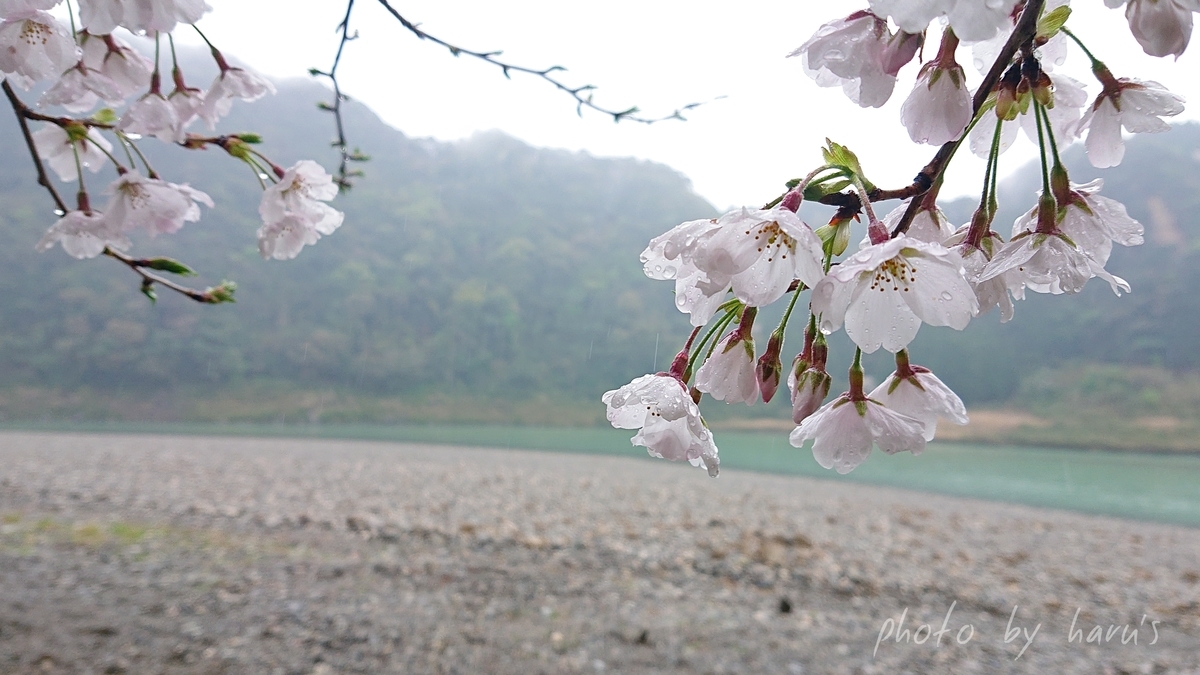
(769, 368)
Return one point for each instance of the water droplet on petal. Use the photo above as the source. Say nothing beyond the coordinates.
(59, 212)
(946, 295)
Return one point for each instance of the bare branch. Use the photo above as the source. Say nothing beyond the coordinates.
(582, 96)
(344, 173)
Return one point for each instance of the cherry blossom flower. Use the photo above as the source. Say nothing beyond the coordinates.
(916, 392)
(995, 291)
(151, 204)
(153, 115)
(187, 102)
(11, 7)
(57, 147)
(35, 45)
(669, 257)
(668, 420)
(729, 374)
(1092, 221)
(82, 234)
(760, 253)
(1044, 259)
(972, 20)
(1049, 264)
(139, 16)
(756, 253)
(80, 88)
(885, 291)
(101, 17)
(843, 432)
(939, 107)
(859, 54)
(1136, 105)
(232, 83)
(128, 70)
(293, 212)
(1161, 27)
(668, 253)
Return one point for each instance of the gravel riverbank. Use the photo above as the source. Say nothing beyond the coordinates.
(145, 554)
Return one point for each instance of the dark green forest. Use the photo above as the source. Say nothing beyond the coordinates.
(488, 270)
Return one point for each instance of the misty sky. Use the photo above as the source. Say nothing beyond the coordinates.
(657, 55)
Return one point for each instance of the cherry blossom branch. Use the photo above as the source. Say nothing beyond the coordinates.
(21, 109)
(214, 295)
(582, 94)
(1023, 33)
(346, 156)
(25, 112)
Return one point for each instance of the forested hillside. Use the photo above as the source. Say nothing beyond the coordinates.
(487, 269)
(484, 266)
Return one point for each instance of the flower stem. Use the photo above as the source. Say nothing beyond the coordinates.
(787, 313)
(945, 55)
(1042, 149)
(856, 377)
(718, 326)
(1087, 52)
(725, 321)
(1050, 134)
(150, 172)
(71, 15)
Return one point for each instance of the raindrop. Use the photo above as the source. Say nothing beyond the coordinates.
(134, 137)
(837, 456)
(262, 176)
(946, 295)
(59, 212)
(834, 55)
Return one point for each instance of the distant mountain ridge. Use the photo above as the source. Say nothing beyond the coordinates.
(488, 268)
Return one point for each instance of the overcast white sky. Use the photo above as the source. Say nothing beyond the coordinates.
(657, 54)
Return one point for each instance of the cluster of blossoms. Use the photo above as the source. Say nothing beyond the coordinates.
(914, 267)
(89, 64)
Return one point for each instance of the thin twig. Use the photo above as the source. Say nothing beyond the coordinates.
(582, 94)
(138, 265)
(344, 174)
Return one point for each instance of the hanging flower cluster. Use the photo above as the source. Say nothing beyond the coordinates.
(75, 51)
(914, 267)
